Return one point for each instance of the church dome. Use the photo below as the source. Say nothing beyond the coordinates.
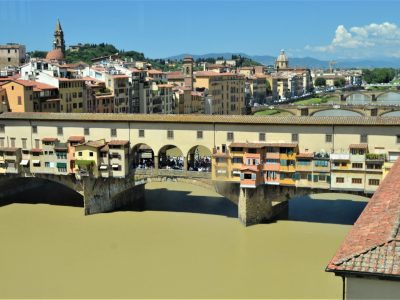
(282, 56)
(55, 54)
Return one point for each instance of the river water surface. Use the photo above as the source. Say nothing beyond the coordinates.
(187, 244)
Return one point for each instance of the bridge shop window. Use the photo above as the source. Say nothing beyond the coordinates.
(199, 134)
(328, 138)
(363, 138)
(339, 179)
(229, 136)
(373, 181)
(113, 132)
(261, 137)
(356, 180)
(170, 134)
(295, 137)
(141, 133)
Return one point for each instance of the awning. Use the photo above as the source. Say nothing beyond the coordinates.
(24, 162)
(61, 165)
(36, 161)
(115, 166)
(103, 167)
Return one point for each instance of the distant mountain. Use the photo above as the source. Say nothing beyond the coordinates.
(308, 62)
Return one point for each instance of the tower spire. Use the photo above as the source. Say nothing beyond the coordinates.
(59, 42)
(58, 25)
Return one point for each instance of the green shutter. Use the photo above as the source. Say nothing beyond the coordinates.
(328, 179)
(61, 165)
(309, 177)
(315, 178)
(296, 176)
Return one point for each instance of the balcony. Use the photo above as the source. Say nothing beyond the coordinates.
(357, 157)
(369, 157)
(340, 156)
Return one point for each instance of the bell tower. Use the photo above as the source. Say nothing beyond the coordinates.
(188, 71)
(59, 42)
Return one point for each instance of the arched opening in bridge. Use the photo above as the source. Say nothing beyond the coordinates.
(31, 190)
(330, 208)
(199, 159)
(395, 113)
(358, 98)
(389, 97)
(143, 157)
(336, 113)
(170, 157)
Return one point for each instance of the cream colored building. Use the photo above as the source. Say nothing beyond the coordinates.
(226, 91)
(12, 55)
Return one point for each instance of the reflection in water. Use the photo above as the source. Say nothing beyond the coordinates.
(51, 251)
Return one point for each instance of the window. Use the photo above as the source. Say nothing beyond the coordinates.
(19, 100)
(79, 153)
(261, 137)
(113, 132)
(356, 180)
(170, 134)
(199, 134)
(397, 139)
(59, 130)
(363, 138)
(229, 136)
(328, 138)
(141, 133)
(1, 142)
(86, 131)
(373, 181)
(23, 141)
(357, 165)
(295, 137)
(339, 179)
(12, 142)
(2, 128)
(321, 163)
(46, 164)
(237, 160)
(37, 143)
(90, 153)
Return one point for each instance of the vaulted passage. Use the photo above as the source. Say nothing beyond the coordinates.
(38, 191)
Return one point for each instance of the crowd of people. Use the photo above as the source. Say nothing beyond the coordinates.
(171, 162)
(201, 164)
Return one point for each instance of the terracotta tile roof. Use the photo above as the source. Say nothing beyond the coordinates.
(372, 246)
(212, 73)
(154, 71)
(118, 142)
(175, 75)
(25, 82)
(76, 138)
(106, 148)
(165, 85)
(94, 144)
(249, 168)
(203, 119)
(50, 139)
(221, 154)
(358, 146)
(305, 155)
(261, 145)
(36, 150)
(9, 149)
(120, 76)
(70, 79)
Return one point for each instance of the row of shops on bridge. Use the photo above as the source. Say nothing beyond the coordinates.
(99, 158)
(254, 164)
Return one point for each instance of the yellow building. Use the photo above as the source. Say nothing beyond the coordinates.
(20, 95)
(225, 91)
(72, 98)
(88, 157)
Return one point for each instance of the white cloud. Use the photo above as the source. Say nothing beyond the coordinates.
(369, 40)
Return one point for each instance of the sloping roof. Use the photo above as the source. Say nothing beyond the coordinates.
(358, 146)
(50, 139)
(210, 119)
(118, 142)
(94, 144)
(305, 155)
(372, 247)
(9, 149)
(261, 145)
(76, 138)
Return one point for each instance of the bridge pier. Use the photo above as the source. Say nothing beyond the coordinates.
(374, 98)
(109, 194)
(254, 206)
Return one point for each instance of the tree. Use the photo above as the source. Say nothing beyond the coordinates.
(379, 75)
(339, 82)
(320, 81)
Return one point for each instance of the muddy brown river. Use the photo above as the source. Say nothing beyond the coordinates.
(187, 244)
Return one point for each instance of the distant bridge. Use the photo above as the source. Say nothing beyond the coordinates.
(367, 110)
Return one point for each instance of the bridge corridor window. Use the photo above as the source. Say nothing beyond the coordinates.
(34, 129)
(59, 130)
(113, 132)
(295, 137)
(229, 136)
(363, 138)
(199, 134)
(37, 143)
(328, 138)
(397, 139)
(86, 131)
(2, 142)
(261, 137)
(141, 133)
(170, 134)
(12, 142)
(2, 128)
(23, 142)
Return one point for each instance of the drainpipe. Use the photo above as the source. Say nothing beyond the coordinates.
(344, 288)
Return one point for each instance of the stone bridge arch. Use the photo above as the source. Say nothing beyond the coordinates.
(359, 112)
(387, 92)
(369, 95)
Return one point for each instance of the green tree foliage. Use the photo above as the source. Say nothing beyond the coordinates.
(320, 81)
(339, 82)
(38, 54)
(379, 75)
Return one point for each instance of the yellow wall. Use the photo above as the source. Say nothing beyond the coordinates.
(15, 90)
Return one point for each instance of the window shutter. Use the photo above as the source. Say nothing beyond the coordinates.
(309, 177)
(328, 179)
(241, 176)
(315, 178)
(253, 176)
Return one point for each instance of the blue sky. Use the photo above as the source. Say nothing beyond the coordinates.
(321, 29)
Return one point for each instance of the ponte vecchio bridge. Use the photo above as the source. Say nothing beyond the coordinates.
(258, 162)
